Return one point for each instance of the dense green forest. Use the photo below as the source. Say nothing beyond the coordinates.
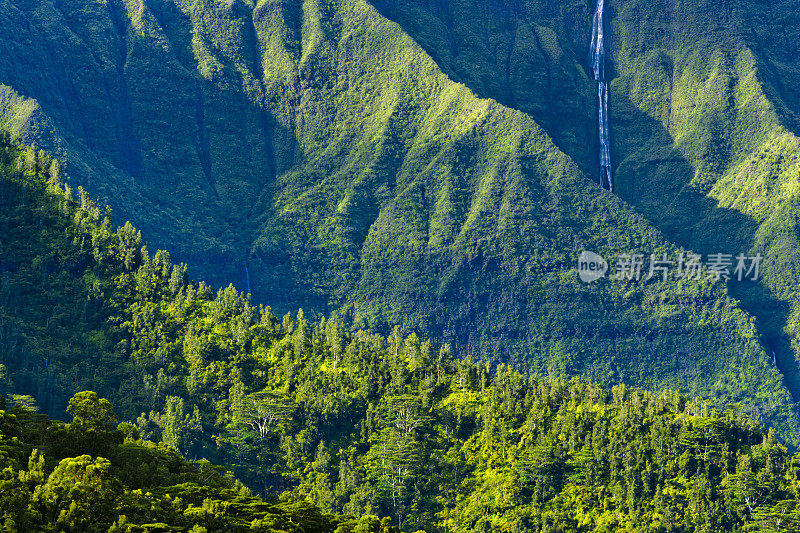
(332, 155)
(531, 456)
(350, 421)
(93, 475)
(417, 177)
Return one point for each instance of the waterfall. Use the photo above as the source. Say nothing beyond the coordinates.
(598, 64)
(247, 275)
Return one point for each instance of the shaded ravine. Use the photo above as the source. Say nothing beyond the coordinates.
(598, 65)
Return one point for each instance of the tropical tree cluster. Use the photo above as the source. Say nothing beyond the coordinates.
(347, 421)
(94, 475)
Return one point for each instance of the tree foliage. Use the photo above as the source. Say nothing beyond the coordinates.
(353, 421)
(133, 486)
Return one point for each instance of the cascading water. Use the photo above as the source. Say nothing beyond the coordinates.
(598, 64)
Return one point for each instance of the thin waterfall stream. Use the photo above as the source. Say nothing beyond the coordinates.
(598, 64)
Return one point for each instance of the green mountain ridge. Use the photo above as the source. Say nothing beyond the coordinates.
(704, 116)
(719, 174)
(320, 149)
(530, 56)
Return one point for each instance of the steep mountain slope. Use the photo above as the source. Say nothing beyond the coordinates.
(502, 281)
(141, 131)
(704, 116)
(318, 149)
(706, 135)
(531, 55)
(83, 306)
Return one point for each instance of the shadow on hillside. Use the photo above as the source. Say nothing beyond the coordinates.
(653, 176)
(776, 49)
(649, 168)
(510, 57)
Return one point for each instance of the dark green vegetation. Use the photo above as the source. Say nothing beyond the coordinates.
(531, 55)
(707, 124)
(353, 422)
(318, 147)
(88, 476)
(580, 460)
